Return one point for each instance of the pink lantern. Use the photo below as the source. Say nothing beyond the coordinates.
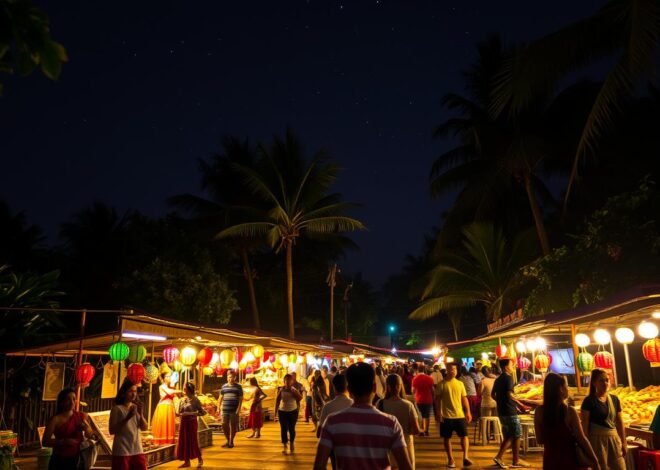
(524, 363)
(170, 354)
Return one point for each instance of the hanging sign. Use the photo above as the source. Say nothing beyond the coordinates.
(110, 380)
(53, 380)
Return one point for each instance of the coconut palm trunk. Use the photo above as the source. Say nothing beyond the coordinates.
(247, 272)
(289, 286)
(538, 217)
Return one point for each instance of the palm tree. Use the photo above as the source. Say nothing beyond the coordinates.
(227, 203)
(299, 199)
(628, 30)
(484, 273)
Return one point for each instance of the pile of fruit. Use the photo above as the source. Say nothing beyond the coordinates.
(529, 391)
(209, 404)
(638, 406)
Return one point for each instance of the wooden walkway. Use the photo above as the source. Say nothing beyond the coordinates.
(266, 453)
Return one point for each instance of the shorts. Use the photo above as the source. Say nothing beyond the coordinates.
(230, 418)
(424, 409)
(511, 428)
(449, 426)
(129, 462)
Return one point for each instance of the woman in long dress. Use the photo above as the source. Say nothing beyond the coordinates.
(163, 423)
(188, 446)
(256, 418)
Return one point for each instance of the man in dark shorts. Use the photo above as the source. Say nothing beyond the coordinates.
(452, 411)
(508, 414)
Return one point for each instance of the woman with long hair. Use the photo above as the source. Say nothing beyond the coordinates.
(190, 408)
(603, 422)
(64, 432)
(125, 423)
(286, 405)
(319, 398)
(396, 404)
(256, 418)
(558, 428)
(163, 423)
(488, 403)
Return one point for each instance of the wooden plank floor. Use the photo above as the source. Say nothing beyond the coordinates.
(266, 453)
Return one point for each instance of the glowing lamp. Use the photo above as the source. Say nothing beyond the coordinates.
(531, 345)
(137, 353)
(170, 354)
(207, 371)
(656, 314)
(585, 362)
(233, 365)
(227, 356)
(204, 357)
(582, 340)
(624, 335)
(647, 330)
(541, 345)
(249, 357)
(118, 351)
(435, 351)
(500, 351)
(135, 373)
(284, 360)
(150, 374)
(258, 351)
(242, 364)
(520, 347)
(188, 356)
(177, 366)
(84, 374)
(604, 360)
(300, 360)
(602, 337)
(311, 360)
(651, 350)
(292, 358)
(449, 359)
(215, 358)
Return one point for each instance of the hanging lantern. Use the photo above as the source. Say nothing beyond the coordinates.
(118, 351)
(249, 357)
(135, 373)
(284, 360)
(233, 365)
(215, 358)
(207, 371)
(242, 364)
(292, 358)
(84, 374)
(300, 360)
(137, 353)
(585, 362)
(151, 374)
(541, 362)
(204, 357)
(177, 366)
(604, 360)
(258, 351)
(651, 350)
(524, 363)
(164, 368)
(227, 357)
(500, 351)
(170, 354)
(188, 356)
(311, 360)
(219, 370)
(268, 356)
(249, 370)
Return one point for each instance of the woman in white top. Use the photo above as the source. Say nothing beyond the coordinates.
(404, 411)
(286, 405)
(488, 405)
(125, 423)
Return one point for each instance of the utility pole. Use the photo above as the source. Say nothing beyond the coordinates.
(330, 280)
(347, 305)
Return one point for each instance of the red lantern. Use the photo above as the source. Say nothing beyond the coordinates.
(135, 373)
(500, 351)
(219, 370)
(84, 374)
(204, 357)
(651, 350)
(604, 360)
(541, 362)
(170, 354)
(524, 363)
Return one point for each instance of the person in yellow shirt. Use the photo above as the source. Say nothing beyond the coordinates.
(452, 411)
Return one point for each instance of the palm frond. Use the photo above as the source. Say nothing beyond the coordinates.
(332, 224)
(436, 305)
(454, 157)
(248, 230)
(257, 184)
(331, 209)
(195, 204)
(455, 177)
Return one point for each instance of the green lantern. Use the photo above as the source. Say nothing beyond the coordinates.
(137, 353)
(118, 351)
(585, 362)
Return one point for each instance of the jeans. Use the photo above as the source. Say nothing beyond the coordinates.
(288, 425)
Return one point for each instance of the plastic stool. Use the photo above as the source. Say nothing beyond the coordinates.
(485, 426)
(529, 436)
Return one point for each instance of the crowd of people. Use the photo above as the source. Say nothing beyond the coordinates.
(367, 416)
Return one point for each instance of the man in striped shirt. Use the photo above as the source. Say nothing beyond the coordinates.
(231, 399)
(360, 435)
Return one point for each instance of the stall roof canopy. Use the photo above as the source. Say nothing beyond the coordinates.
(625, 308)
(174, 331)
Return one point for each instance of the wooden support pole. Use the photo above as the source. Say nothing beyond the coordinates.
(83, 319)
(575, 359)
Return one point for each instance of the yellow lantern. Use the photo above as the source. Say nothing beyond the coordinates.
(292, 358)
(258, 351)
(249, 357)
(242, 365)
(226, 357)
(277, 365)
(207, 371)
(177, 366)
(188, 356)
(233, 365)
(284, 360)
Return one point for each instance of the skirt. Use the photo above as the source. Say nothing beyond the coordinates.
(163, 424)
(607, 446)
(188, 446)
(256, 418)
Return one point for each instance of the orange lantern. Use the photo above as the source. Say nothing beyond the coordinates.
(604, 360)
(651, 350)
(84, 374)
(204, 357)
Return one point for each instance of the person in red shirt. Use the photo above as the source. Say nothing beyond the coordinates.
(422, 387)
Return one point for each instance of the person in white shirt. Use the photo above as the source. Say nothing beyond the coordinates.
(126, 422)
(340, 402)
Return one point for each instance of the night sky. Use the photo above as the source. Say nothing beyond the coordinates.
(153, 86)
